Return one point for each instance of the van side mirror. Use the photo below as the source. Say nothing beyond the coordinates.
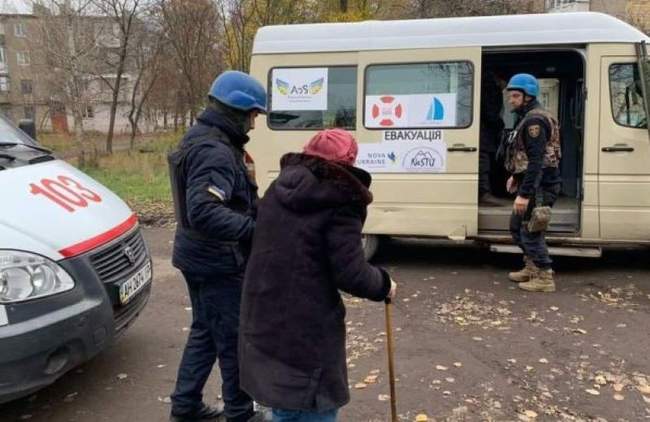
(28, 126)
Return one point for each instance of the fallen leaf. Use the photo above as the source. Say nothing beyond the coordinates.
(370, 379)
(360, 386)
(618, 397)
(600, 380)
(421, 418)
(450, 379)
(543, 360)
(160, 366)
(122, 376)
(166, 400)
(446, 393)
(579, 330)
(513, 361)
(530, 414)
(70, 397)
(383, 397)
(593, 392)
(644, 389)
(375, 372)
(458, 364)
(554, 308)
(618, 387)
(477, 338)
(441, 368)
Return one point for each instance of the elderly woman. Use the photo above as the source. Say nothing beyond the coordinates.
(306, 248)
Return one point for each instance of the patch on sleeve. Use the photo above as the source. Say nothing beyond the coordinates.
(533, 131)
(219, 193)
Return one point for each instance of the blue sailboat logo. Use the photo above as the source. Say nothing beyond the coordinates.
(436, 110)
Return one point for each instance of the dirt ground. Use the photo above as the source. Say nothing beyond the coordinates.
(469, 346)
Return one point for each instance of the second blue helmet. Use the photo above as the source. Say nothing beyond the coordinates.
(524, 82)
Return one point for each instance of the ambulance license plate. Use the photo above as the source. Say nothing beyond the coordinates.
(135, 283)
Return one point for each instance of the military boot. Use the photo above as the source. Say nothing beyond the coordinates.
(526, 273)
(541, 281)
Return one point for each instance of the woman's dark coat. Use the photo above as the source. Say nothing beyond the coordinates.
(306, 247)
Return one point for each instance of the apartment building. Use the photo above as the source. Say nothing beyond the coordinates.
(636, 12)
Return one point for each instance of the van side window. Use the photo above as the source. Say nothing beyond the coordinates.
(419, 95)
(626, 95)
(313, 98)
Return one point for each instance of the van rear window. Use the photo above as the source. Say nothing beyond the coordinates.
(419, 95)
(627, 95)
(312, 98)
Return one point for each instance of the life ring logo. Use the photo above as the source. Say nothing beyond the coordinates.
(423, 159)
(388, 111)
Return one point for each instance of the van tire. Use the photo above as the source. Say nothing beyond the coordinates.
(370, 244)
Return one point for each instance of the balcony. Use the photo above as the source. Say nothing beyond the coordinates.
(559, 6)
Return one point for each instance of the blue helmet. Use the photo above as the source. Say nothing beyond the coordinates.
(239, 90)
(524, 82)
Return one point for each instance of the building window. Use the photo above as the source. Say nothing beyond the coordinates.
(29, 112)
(23, 58)
(88, 112)
(26, 86)
(312, 98)
(19, 30)
(4, 84)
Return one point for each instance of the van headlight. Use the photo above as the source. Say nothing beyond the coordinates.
(25, 276)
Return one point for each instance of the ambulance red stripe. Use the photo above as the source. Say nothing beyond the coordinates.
(93, 242)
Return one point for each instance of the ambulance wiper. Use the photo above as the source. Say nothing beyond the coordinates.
(15, 144)
(7, 157)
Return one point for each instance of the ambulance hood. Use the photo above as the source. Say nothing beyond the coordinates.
(54, 210)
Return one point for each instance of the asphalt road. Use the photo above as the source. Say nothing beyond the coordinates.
(468, 344)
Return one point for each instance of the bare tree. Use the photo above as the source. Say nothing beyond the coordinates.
(67, 41)
(148, 64)
(445, 8)
(117, 51)
(191, 27)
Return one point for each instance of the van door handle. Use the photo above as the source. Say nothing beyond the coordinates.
(618, 148)
(461, 148)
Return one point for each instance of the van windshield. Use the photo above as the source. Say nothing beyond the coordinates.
(11, 134)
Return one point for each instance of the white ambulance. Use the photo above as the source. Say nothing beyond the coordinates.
(74, 268)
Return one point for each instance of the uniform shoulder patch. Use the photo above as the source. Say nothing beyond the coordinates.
(534, 130)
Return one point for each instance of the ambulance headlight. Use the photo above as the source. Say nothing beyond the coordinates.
(25, 276)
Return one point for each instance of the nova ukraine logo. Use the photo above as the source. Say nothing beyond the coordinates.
(312, 88)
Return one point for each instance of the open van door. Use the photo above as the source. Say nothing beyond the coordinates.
(418, 131)
(624, 146)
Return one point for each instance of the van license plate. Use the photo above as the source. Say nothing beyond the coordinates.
(135, 283)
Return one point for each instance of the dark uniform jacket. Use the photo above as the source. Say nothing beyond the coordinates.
(307, 247)
(219, 198)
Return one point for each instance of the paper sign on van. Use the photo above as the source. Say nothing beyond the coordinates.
(299, 89)
(411, 111)
(403, 157)
(412, 135)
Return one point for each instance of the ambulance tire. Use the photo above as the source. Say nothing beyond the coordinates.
(370, 243)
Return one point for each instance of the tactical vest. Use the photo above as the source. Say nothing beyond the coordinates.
(516, 160)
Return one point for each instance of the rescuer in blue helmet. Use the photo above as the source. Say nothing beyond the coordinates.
(214, 201)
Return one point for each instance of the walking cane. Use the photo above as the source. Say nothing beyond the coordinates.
(391, 368)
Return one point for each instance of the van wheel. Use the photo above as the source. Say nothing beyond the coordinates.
(370, 243)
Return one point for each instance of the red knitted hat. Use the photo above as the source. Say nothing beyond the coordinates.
(333, 145)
